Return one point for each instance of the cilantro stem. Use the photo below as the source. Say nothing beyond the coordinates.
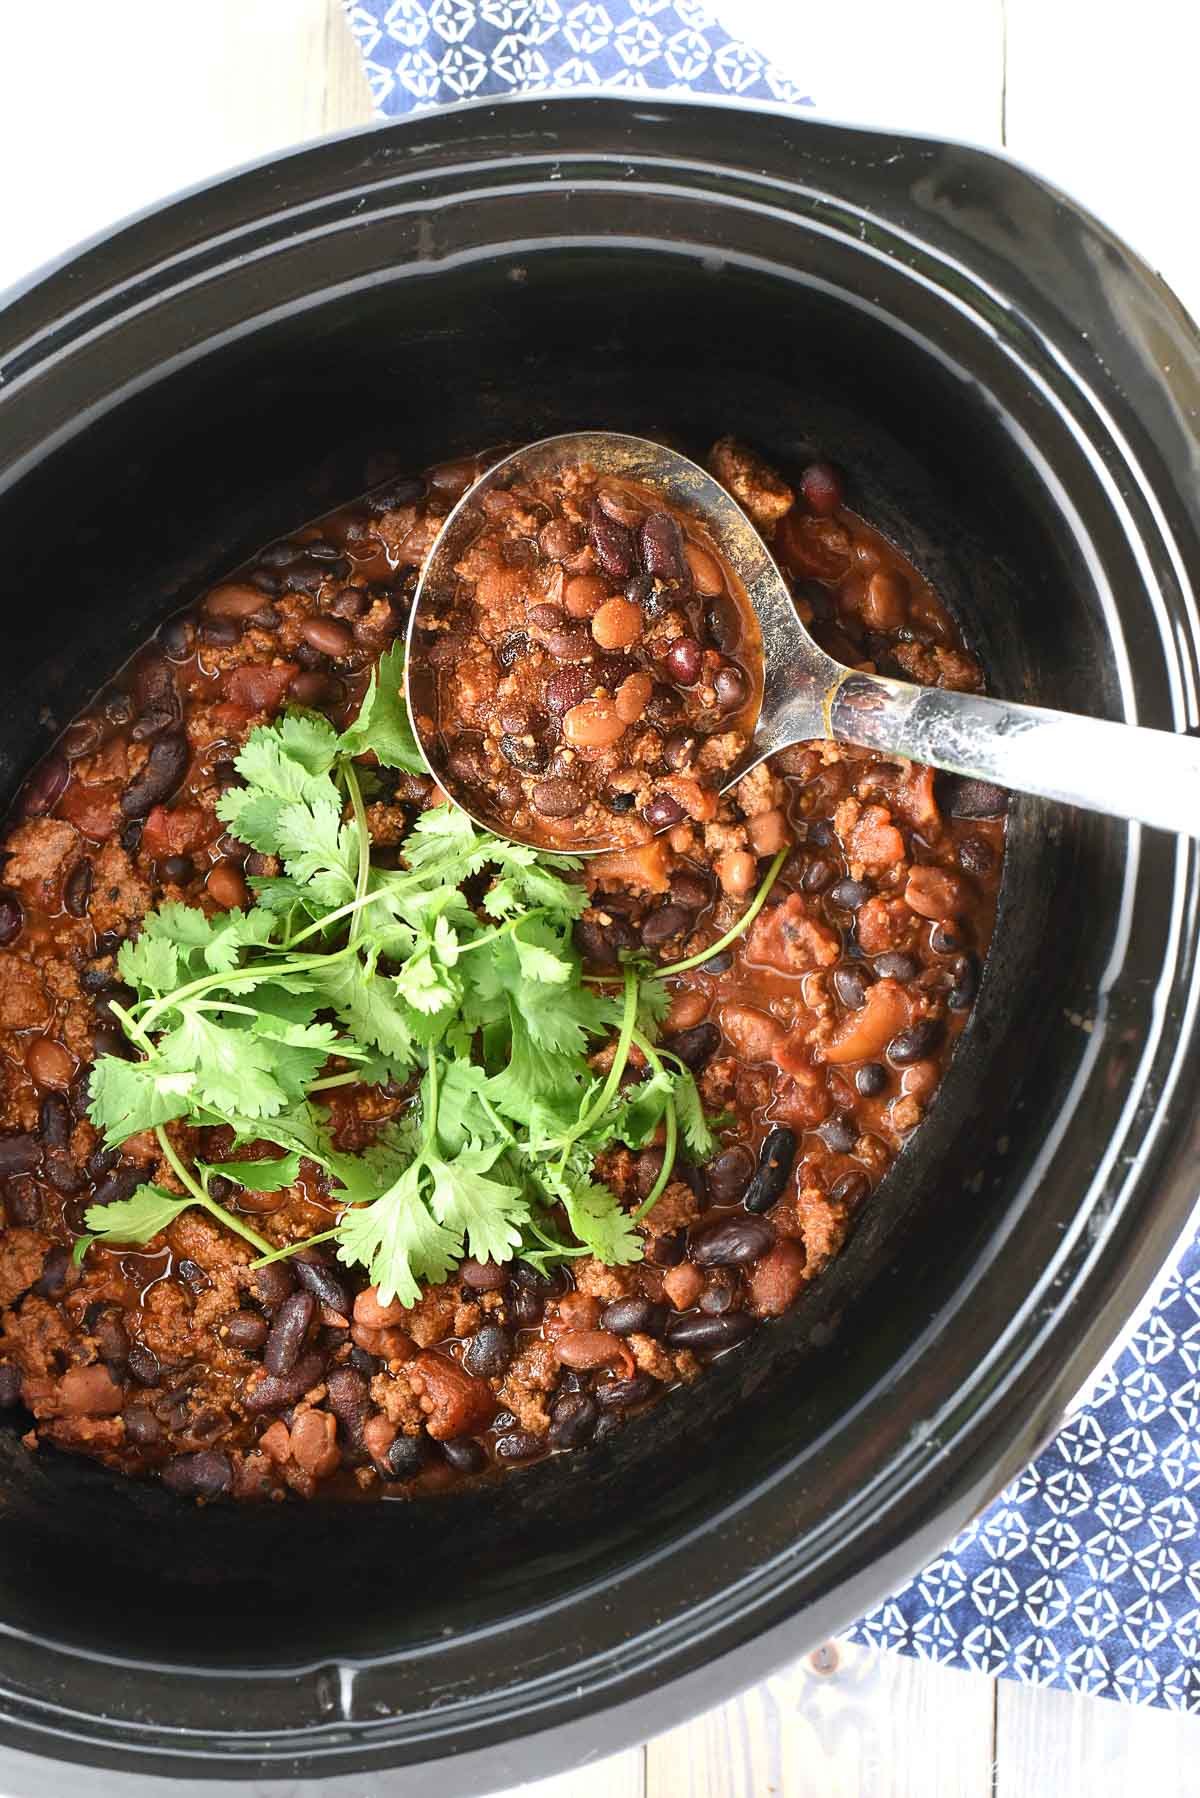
(499, 930)
(258, 971)
(290, 1248)
(744, 922)
(364, 845)
(320, 1086)
(667, 1168)
(333, 917)
(620, 1057)
(192, 1185)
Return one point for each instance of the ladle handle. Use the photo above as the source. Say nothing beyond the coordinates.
(1121, 769)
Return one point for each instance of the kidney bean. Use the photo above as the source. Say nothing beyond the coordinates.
(328, 637)
(245, 1330)
(964, 798)
(914, 1043)
(165, 768)
(695, 1047)
(326, 1287)
(227, 888)
(611, 542)
(143, 1364)
(961, 996)
(287, 1333)
(566, 687)
(622, 1395)
(935, 893)
(871, 1079)
(633, 1316)
(775, 1159)
(233, 599)
(560, 538)
(731, 686)
(142, 1428)
(207, 1474)
(49, 1063)
(694, 1331)
(64, 1173)
(465, 1455)
(455, 1402)
(850, 894)
(684, 661)
(572, 1420)
(821, 486)
(732, 1242)
(560, 798)
(661, 544)
(112, 1339)
(51, 1283)
(274, 1391)
(729, 1174)
(12, 918)
(401, 490)
(45, 786)
(157, 698)
(662, 925)
(489, 1352)
(77, 888)
(896, 965)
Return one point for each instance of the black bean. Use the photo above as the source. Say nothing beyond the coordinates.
(525, 1309)
(559, 798)
(619, 803)
(12, 918)
(117, 993)
(112, 1339)
(729, 1174)
(666, 1251)
(733, 1242)
(615, 1395)
(54, 1121)
(511, 649)
(662, 708)
(723, 623)
(695, 1047)
(838, 1135)
(851, 1189)
(525, 753)
(519, 1445)
(367, 1365)
(662, 811)
(120, 1184)
(271, 1284)
(961, 996)
(165, 767)
(178, 869)
(551, 1285)
(690, 890)
(323, 552)
(245, 1330)
(696, 1331)
(407, 1456)
(850, 987)
(819, 875)
(732, 688)
(775, 1160)
(177, 636)
(896, 965)
(973, 798)
(267, 618)
(693, 1176)
(684, 661)
(143, 1364)
(142, 1427)
(718, 1295)
(914, 1043)
(192, 1275)
(641, 591)
(945, 939)
(206, 1474)
(719, 963)
(77, 888)
(633, 1316)
(348, 1400)
(612, 543)
(850, 894)
(220, 633)
(277, 1390)
(658, 927)
(680, 748)
(287, 1333)
(402, 490)
(326, 1287)
(489, 1352)
(572, 1420)
(601, 943)
(52, 1281)
(226, 775)
(130, 838)
(871, 1079)
(465, 1455)
(45, 786)
(661, 544)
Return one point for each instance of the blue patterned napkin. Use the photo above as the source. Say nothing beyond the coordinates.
(1086, 1572)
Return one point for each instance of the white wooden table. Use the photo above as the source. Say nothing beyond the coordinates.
(106, 105)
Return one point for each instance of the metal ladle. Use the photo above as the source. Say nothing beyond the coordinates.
(1123, 770)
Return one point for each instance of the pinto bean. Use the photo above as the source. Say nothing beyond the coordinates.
(935, 893)
(707, 577)
(89, 1392)
(227, 888)
(737, 872)
(755, 1035)
(378, 1436)
(769, 831)
(584, 1349)
(165, 768)
(454, 1401)
(617, 624)
(592, 724)
(314, 1443)
(49, 1063)
(864, 1034)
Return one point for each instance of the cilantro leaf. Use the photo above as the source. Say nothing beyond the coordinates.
(128, 1096)
(382, 724)
(694, 1126)
(257, 1176)
(397, 1240)
(135, 1220)
(485, 1213)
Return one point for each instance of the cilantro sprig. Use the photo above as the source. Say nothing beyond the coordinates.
(346, 972)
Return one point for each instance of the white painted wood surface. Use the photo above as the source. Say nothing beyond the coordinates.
(107, 105)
